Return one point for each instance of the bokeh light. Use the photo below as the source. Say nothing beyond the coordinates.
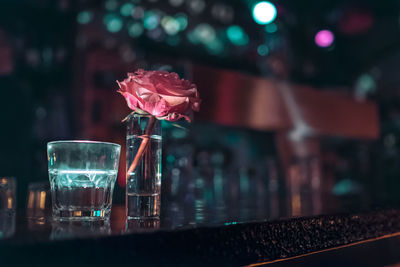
(236, 35)
(182, 20)
(138, 12)
(176, 3)
(170, 25)
(135, 30)
(126, 9)
(365, 85)
(262, 50)
(196, 6)
(150, 20)
(264, 12)
(215, 47)
(324, 38)
(111, 5)
(271, 28)
(84, 17)
(113, 23)
(223, 13)
(204, 33)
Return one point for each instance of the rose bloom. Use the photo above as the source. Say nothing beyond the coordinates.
(160, 93)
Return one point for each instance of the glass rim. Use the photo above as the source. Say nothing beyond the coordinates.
(82, 142)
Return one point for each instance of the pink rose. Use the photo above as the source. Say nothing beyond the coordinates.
(160, 93)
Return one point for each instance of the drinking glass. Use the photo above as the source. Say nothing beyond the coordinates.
(82, 176)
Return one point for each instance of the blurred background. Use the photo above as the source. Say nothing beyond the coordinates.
(301, 100)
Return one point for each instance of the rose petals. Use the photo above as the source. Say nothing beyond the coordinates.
(160, 93)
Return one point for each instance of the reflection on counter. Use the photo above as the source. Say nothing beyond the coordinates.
(74, 229)
(7, 224)
(145, 225)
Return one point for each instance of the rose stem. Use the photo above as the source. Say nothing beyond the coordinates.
(146, 138)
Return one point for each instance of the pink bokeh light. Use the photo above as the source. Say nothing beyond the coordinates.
(324, 38)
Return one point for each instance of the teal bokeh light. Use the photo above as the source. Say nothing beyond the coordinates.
(215, 47)
(264, 12)
(113, 23)
(126, 9)
(205, 33)
(170, 25)
(135, 30)
(236, 35)
(262, 50)
(84, 17)
(271, 28)
(182, 21)
(150, 20)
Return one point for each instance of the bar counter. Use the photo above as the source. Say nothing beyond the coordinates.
(228, 236)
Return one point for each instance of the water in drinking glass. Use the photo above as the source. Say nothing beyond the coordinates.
(86, 192)
(82, 176)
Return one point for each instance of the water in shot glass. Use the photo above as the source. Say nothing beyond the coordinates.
(82, 176)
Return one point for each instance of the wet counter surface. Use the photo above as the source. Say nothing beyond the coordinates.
(189, 233)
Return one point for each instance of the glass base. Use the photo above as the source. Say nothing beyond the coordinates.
(142, 225)
(81, 215)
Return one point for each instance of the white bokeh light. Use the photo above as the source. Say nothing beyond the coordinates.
(264, 12)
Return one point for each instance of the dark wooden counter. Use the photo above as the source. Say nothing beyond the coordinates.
(41, 242)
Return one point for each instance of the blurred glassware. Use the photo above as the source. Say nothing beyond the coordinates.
(7, 224)
(39, 201)
(7, 206)
(7, 194)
